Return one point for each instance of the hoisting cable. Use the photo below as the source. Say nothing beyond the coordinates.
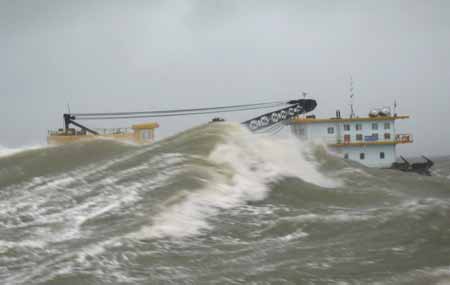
(182, 111)
(158, 115)
(268, 122)
(168, 115)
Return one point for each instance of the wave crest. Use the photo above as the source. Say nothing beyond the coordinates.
(245, 166)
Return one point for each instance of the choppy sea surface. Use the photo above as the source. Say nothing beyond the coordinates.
(217, 205)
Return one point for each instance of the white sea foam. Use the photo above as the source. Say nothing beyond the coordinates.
(36, 199)
(293, 236)
(334, 218)
(6, 151)
(427, 275)
(250, 162)
(24, 243)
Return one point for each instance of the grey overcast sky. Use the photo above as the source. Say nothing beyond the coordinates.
(141, 55)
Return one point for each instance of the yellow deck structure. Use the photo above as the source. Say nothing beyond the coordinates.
(139, 134)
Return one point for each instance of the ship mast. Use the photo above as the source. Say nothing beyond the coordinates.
(304, 94)
(352, 111)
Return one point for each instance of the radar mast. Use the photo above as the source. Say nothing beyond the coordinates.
(352, 111)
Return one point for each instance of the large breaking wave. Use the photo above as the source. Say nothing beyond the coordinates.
(237, 171)
(216, 204)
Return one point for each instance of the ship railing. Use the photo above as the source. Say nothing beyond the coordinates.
(113, 131)
(373, 138)
(403, 138)
(100, 131)
(69, 132)
(55, 133)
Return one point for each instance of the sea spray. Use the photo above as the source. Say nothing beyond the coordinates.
(248, 164)
(217, 205)
(7, 151)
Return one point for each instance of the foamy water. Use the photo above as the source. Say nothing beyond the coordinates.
(217, 205)
(6, 151)
(250, 164)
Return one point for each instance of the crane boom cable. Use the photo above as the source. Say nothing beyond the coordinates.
(178, 111)
(271, 121)
(172, 114)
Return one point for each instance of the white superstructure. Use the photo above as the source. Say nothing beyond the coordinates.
(370, 141)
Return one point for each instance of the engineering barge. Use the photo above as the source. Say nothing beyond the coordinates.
(370, 140)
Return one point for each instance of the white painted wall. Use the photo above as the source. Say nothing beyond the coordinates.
(319, 131)
(315, 131)
(371, 154)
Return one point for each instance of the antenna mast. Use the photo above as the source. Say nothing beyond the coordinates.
(352, 111)
(395, 108)
(304, 98)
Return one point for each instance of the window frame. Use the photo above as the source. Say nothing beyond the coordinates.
(347, 138)
(145, 135)
(362, 156)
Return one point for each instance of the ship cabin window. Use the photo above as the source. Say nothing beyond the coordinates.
(346, 155)
(374, 126)
(387, 136)
(331, 130)
(381, 155)
(346, 127)
(359, 137)
(362, 155)
(145, 135)
(346, 138)
(358, 127)
(387, 126)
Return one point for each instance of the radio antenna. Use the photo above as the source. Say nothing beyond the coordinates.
(352, 111)
(304, 94)
(395, 108)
